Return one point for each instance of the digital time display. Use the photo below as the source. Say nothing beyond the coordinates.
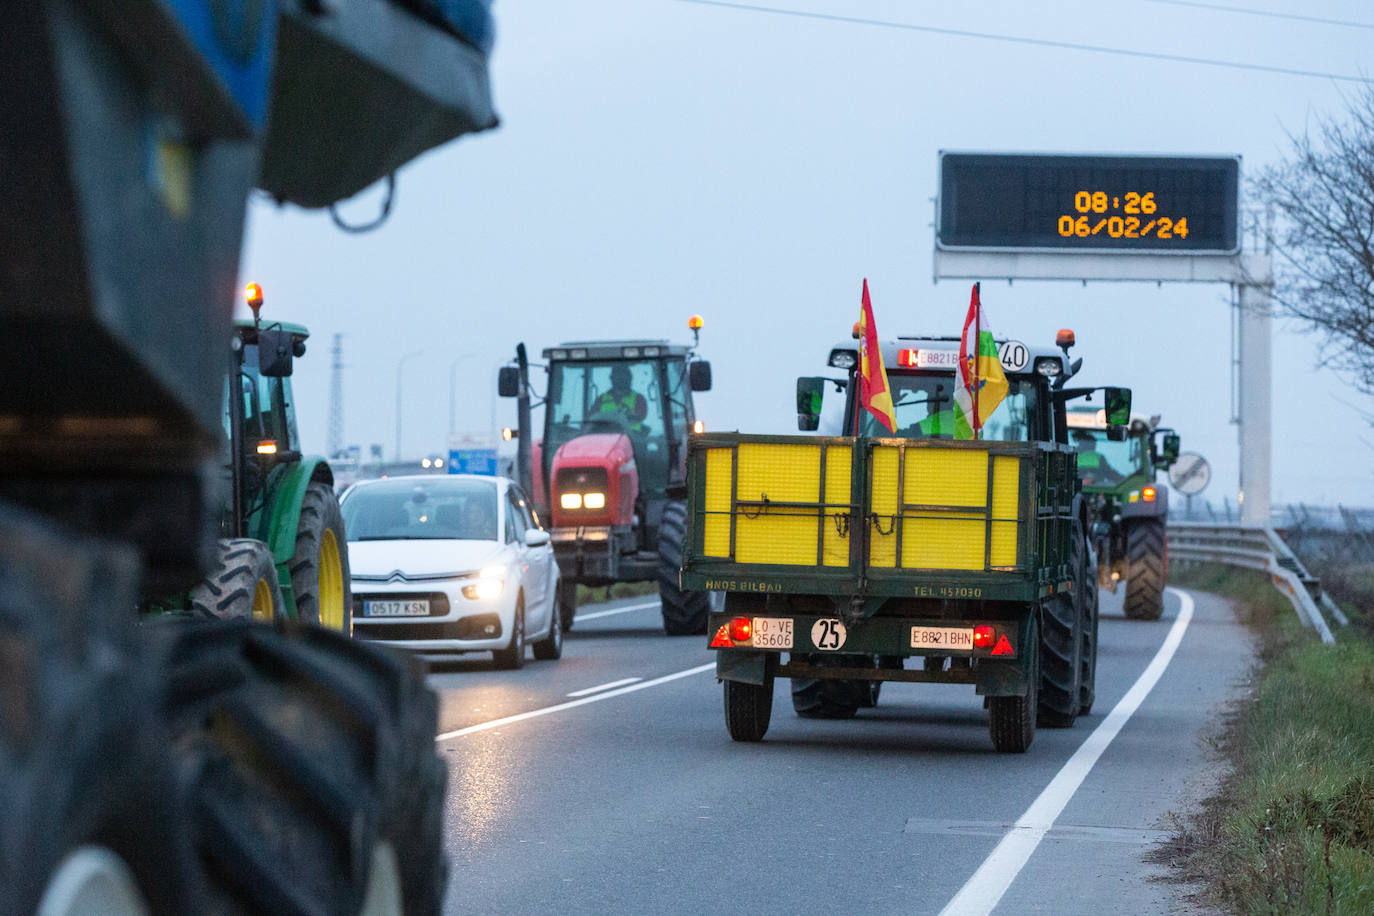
(1183, 204)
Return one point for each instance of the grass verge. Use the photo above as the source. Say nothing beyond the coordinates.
(586, 594)
(1292, 828)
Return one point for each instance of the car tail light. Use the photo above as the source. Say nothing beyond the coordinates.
(741, 629)
(983, 636)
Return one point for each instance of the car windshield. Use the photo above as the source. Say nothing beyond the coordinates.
(438, 508)
(925, 410)
(1102, 462)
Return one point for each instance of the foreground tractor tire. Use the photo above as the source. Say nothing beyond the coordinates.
(748, 708)
(319, 564)
(1011, 720)
(1146, 558)
(85, 780)
(243, 584)
(308, 769)
(1061, 661)
(684, 613)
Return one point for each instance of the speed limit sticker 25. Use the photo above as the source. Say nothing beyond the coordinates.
(828, 633)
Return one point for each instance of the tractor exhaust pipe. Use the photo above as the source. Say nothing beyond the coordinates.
(523, 471)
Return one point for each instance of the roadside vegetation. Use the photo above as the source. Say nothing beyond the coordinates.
(586, 594)
(1291, 829)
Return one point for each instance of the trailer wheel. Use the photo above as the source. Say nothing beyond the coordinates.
(684, 613)
(243, 583)
(825, 698)
(748, 708)
(319, 565)
(307, 762)
(1146, 555)
(1061, 661)
(567, 603)
(1085, 595)
(1011, 720)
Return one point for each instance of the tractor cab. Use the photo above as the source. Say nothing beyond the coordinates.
(1106, 465)
(922, 373)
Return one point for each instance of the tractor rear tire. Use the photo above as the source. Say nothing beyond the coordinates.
(1086, 597)
(748, 709)
(319, 564)
(684, 613)
(1061, 661)
(306, 759)
(243, 584)
(1011, 720)
(824, 698)
(1146, 559)
(567, 604)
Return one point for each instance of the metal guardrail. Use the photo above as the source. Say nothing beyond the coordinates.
(1257, 547)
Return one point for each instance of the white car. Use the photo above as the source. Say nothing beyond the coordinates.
(449, 564)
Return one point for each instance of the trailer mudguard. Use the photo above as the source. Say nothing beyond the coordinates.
(742, 666)
(994, 678)
(285, 493)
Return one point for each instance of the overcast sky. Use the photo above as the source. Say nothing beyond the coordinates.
(659, 158)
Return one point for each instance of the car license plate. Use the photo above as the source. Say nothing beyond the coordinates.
(951, 639)
(772, 633)
(417, 607)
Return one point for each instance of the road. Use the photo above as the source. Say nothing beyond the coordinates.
(606, 783)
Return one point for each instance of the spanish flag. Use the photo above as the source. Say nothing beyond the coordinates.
(874, 394)
(981, 384)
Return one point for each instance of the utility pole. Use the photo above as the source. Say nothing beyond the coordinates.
(335, 437)
(400, 364)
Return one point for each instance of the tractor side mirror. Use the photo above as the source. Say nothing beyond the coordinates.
(810, 392)
(275, 350)
(508, 382)
(699, 375)
(1117, 404)
(1169, 453)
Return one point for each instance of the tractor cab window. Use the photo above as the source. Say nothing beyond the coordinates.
(1102, 462)
(612, 396)
(266, 412)
(675, 371)
(924, 405)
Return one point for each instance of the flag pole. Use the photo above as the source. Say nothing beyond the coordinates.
(977, 344)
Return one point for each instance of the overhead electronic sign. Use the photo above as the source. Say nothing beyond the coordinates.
(1065, 203)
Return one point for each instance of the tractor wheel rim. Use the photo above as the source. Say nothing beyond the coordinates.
(331, 583)
(262, 601)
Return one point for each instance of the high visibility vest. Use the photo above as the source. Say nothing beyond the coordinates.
(624, 404)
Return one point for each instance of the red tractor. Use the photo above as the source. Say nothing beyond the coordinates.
(610, 469)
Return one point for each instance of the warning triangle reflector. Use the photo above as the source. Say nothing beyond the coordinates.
(1003, 647)
(723, 640)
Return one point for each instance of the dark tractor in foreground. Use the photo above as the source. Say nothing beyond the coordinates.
(1129, 512)
(846, 557)
(610, 469)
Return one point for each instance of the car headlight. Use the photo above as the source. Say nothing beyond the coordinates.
(490, 583)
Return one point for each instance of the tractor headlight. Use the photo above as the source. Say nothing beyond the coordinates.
(1049, 366)
(594, 500)
(570, 500)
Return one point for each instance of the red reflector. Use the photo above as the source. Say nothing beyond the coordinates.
(741, 629)
(1148, 494)
(982, 636)
(722, 640)
(906, 357)
(1003, 647)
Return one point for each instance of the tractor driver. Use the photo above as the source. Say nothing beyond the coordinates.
(621, 402)
(1091, 466)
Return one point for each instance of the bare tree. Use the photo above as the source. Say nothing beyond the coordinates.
(1323, 194)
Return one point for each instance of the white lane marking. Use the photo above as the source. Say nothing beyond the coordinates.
(617, 610)
(620, 683)
(535, 713)
(982, 892)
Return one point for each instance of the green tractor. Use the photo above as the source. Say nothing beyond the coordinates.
(1117, 467)
(282, 550)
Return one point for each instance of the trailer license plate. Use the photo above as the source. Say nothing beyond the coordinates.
(418, 607)
(772, 633)
(951, 639)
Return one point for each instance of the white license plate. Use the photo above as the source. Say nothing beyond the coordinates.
(951, 639)
(772, 633)
(418, 607)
